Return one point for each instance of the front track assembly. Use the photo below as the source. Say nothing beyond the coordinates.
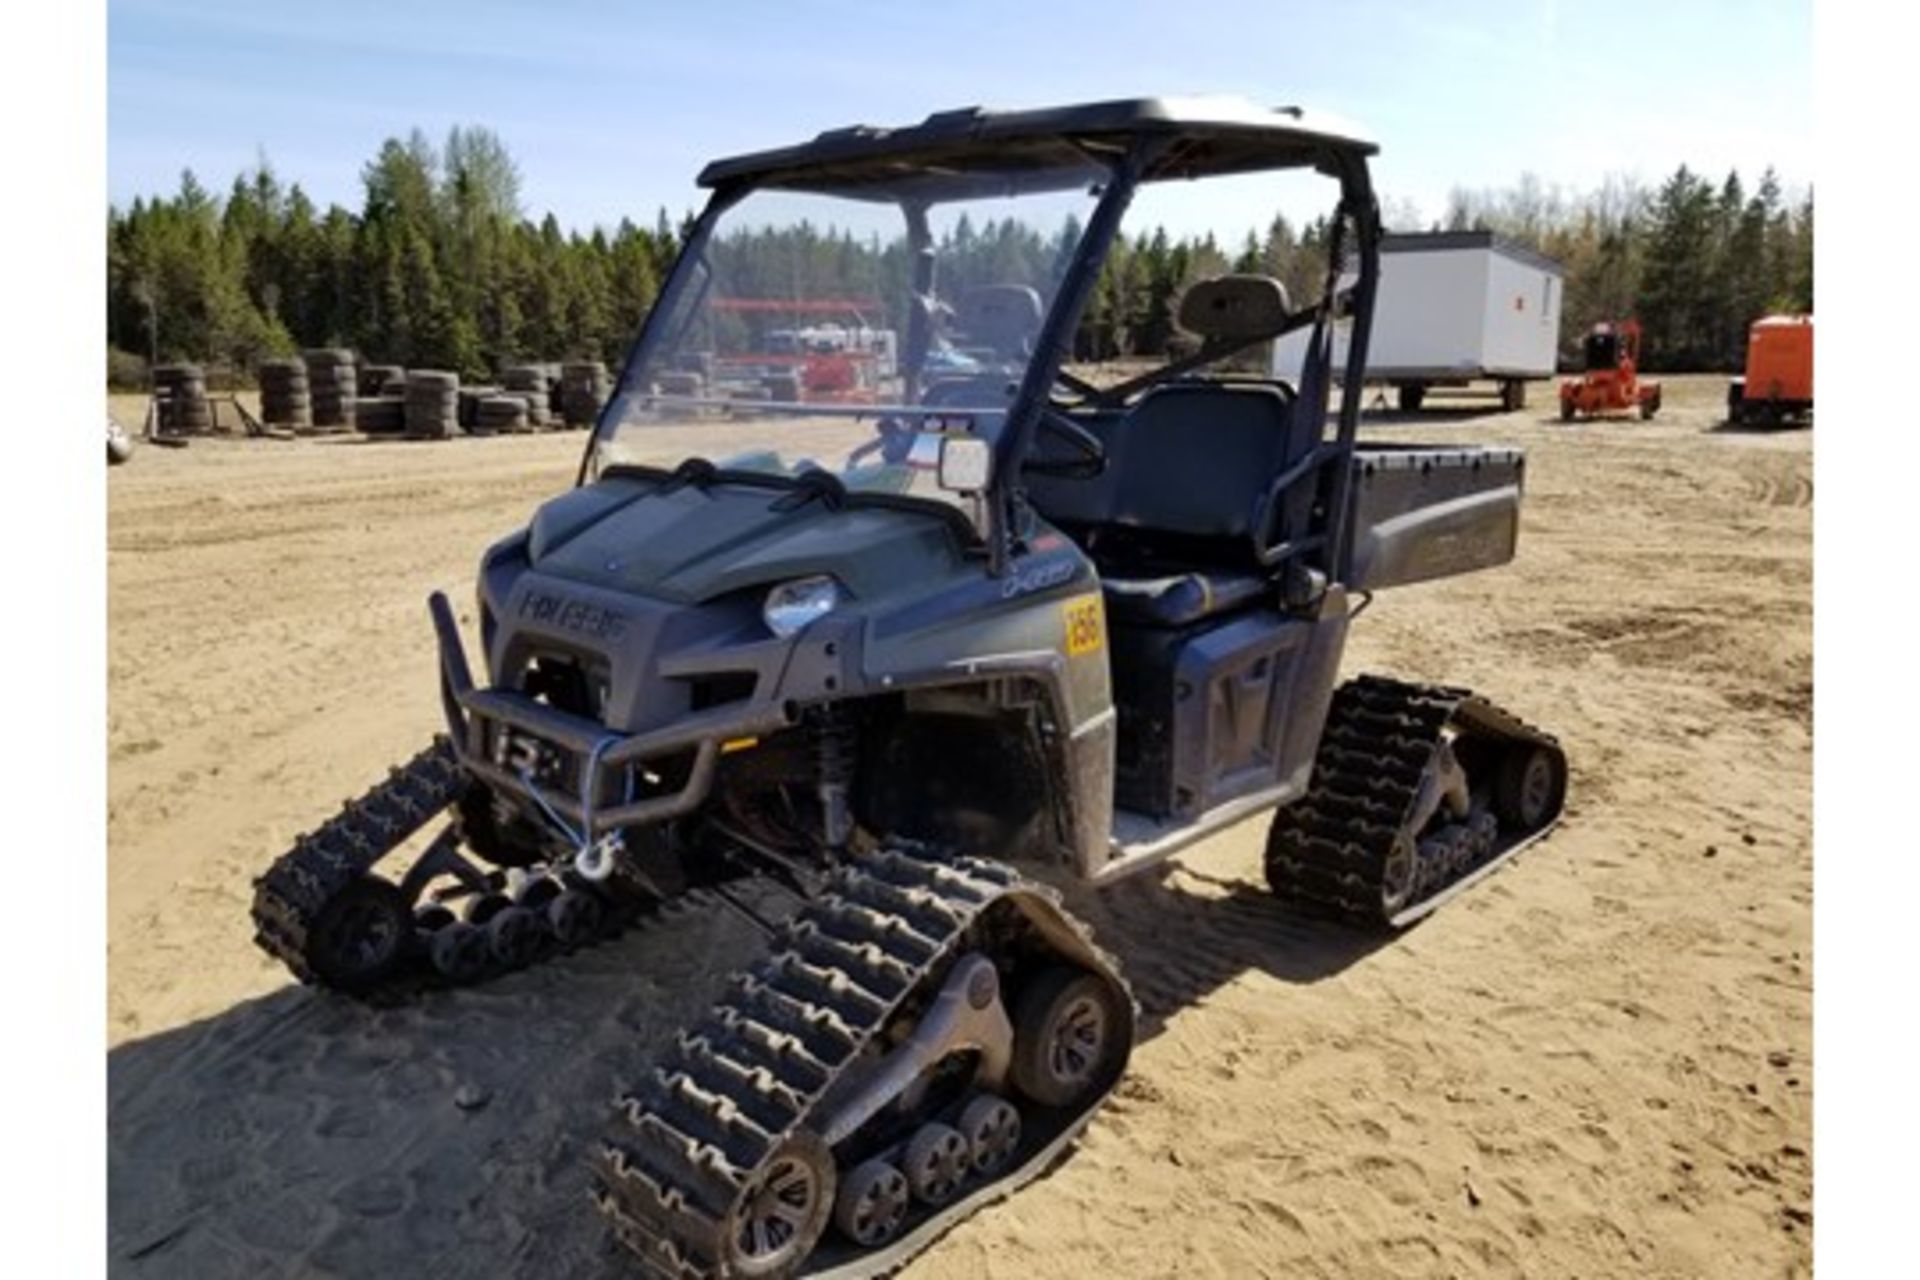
(1418, 791)
(924, 1038)
(323, 911)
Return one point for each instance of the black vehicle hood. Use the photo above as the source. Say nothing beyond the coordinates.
(691, 543)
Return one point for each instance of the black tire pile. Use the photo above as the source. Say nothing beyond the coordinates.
(432, 405)
(529, 383)
(181, 390)
(502, 412)
(334, 387)
(380, 415)
(470, 398)
(583, 390)
(284, 398)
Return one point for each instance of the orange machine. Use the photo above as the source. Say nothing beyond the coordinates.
(1778, 386)
(1611, 385)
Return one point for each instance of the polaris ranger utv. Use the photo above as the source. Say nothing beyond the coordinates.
(887, 612)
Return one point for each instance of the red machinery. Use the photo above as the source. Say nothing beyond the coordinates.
(839, 362)
(1777, 387)
(1611, 385)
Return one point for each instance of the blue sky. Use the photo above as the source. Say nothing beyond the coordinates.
(610, 108)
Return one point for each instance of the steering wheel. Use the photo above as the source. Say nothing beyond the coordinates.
(1090, 452)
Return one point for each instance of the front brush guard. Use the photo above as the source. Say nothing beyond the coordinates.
(602, 758)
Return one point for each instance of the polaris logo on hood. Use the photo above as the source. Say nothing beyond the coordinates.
(543, 608)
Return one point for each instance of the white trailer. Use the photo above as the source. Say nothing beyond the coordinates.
(1453, 307)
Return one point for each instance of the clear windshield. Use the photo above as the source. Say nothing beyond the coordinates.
(830, 332)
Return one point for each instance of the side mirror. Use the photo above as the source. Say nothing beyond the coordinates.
(966, 464)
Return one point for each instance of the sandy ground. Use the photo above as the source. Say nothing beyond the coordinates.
(1596, 1064)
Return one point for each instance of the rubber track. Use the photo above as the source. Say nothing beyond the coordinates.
(1329, 849)
(690, 1139)
(288, 899)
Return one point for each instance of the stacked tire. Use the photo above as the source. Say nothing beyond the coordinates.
(529, 382)
(380, 415)
(333, 385)
(432, 405)
(583, 391)
(504, 412)
(284, 398)
(182, 392)
(469, 412)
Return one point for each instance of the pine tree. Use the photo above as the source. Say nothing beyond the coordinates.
(1676, 306)
(440, 266)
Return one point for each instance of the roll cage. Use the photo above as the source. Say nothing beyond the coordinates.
(960, 154)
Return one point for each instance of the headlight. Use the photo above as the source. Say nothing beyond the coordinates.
(792, 605)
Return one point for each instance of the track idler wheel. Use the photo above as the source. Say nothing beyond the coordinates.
(513, 936)
(781, 1215)
(872, 1204)
(936, 1163)
(485, 906)
(991, 1127)
(537, 892)
(460, 952)
(575, 917)
(361, 936)
(1528, 786)
(1399, 875)
(1069, 1032)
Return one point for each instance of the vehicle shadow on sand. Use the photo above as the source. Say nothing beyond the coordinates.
(448, 1134)
(1178, 945)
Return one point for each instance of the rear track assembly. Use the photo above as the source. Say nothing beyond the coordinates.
(1418, 791)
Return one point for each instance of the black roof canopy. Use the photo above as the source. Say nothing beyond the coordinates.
(972, 151)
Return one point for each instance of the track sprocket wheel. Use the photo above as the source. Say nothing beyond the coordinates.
(1066, 1028)
(361, 935)
(782, 1213)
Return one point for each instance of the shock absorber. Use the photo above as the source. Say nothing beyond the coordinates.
(835, 747)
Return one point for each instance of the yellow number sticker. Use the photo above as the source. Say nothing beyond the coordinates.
(1086, 628)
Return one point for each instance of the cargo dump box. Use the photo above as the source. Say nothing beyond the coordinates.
(1428, 511)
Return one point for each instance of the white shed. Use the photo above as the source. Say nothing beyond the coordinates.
(1453, 307)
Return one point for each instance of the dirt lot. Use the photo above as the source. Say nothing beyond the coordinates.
(1596, 1064)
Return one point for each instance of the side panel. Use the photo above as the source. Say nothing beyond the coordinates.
(1423, 513)
(1231, 725)
(1429, 311)
(1780, 361)
(1045, 623)
(1251, 717)
(1521, 328)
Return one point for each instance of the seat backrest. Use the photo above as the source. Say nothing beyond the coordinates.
(1191, 461)
(1003, 318)
(1234, 307)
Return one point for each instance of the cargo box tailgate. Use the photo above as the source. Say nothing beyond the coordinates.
(1421, 512)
